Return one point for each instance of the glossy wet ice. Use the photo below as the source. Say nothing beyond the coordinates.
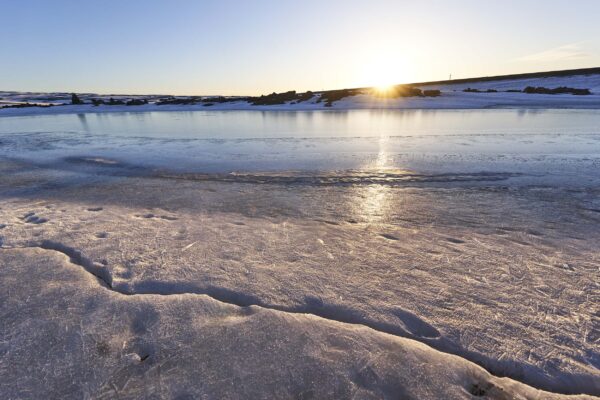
(474, 233)
(550, 143)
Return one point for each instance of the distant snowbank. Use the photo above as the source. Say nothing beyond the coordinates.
(591, 82)
(452, 97)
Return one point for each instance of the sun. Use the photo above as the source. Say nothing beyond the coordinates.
(383, 72)
(383, 90)
(381, 67)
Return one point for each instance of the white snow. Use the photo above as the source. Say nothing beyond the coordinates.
(591, 82)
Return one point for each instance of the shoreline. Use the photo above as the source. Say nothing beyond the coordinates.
(589, 104)
(459, 95)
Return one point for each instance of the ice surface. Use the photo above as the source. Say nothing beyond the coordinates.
(419, 261)
(507, 279)
(65, 336)
(546, 144)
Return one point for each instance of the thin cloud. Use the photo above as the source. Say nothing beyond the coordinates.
(572, 51)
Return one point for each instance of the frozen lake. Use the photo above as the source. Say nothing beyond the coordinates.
(547, 144)
(373, 252)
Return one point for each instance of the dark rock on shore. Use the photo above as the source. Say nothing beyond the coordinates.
(281, 98)
(432, 93)
(558, 90)
(25, 105)
(75, 99)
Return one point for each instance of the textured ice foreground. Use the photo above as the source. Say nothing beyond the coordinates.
(123, 275)
(80, 340)
(479, 273)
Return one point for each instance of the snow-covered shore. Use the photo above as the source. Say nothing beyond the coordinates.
(452, 97)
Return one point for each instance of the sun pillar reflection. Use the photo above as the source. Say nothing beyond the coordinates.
(373, 200)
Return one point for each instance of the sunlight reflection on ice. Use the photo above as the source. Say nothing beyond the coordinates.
(373, 200)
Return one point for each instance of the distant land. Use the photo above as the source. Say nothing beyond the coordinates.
(575, 88)
(529, 75)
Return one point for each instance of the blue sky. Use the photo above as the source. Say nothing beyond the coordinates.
(253, 47)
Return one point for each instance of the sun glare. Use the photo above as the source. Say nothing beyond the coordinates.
(383, 90)
(383, 75)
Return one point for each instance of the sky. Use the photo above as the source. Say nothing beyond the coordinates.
(256, 47)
